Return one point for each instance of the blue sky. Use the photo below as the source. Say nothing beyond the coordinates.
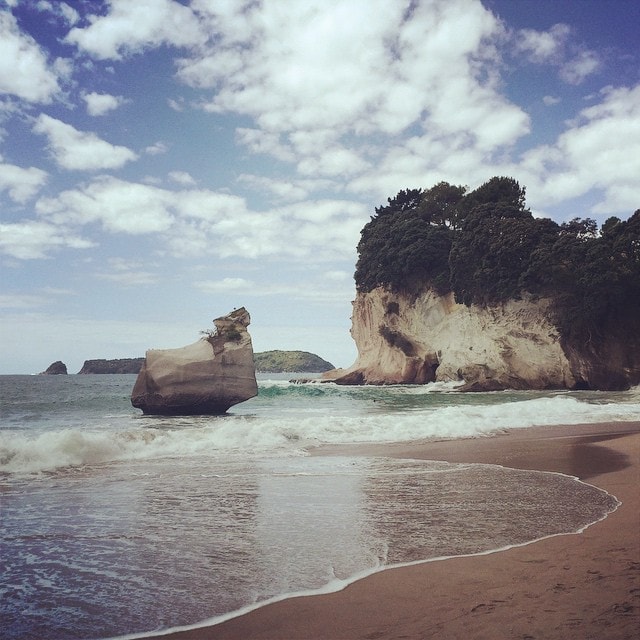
(164, 162)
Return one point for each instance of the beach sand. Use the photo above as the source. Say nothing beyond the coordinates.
(578, 586)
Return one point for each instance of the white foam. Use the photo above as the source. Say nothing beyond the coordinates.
(23, 452)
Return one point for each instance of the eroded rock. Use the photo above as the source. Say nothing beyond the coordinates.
(415, 339)
(204, 378)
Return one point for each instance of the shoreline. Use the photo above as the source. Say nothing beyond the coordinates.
(584, 585)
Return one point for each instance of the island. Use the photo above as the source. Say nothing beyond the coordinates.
(290, 362)
(120, 365)
(56, 368)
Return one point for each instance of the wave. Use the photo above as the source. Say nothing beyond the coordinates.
(143, 438)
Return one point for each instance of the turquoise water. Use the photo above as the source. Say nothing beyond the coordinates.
(115, 523)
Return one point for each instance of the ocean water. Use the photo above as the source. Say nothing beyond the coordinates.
(113, 523)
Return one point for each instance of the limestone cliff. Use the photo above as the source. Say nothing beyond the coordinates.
(206, 377)
(426, 337)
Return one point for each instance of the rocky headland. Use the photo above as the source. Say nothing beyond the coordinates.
(119, 365)
(416, 339)
(204, 378)
(469, 287)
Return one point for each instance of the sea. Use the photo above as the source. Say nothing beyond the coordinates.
(114, 524)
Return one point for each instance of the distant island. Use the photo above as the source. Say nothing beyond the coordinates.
(121, 365)
(266, 362)
(57, 368)
(290, 362)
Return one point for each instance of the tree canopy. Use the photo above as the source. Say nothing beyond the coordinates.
(486, 247)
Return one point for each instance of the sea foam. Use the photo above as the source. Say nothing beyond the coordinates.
(261, 433)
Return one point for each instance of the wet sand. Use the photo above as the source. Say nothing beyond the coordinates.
(580, 586)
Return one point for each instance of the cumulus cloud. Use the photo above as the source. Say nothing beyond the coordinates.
(21, 184)
(130, 27)
(599, 150)
(59, 9)
(100, 103)
(182, 178)
(120, 206)
(157, 148)
(200, 221)
(34, 239)
(557, 47)
(318, 78)
(80, 150)
(24, 69)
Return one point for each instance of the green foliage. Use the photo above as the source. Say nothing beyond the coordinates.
(290, 362)
(486, 247)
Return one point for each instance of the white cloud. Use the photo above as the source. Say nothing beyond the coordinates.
(33, 239)
(21, 184)
(279, 189)
(130, 273)
(130, 27)
(80, 150)
(158, 148)
(182, 178)
(199, 221)
(21, 301)
(121, 207)
(304, 292)
(600, 150)
(100, 103)
(549, 101)
(575, 70)
(543, 46)
(558, 48)
(318, 78)
(60, 9)
(24, 71)
(226, 285)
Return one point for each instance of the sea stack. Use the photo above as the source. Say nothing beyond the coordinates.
(57, 368)
(204, 378)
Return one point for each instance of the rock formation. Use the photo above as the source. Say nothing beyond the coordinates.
(55, 369)
(426, 337)
(206, 377)
(120, 365)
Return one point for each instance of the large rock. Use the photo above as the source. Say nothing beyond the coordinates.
(206, 377)
(426, 337)
(56, 368)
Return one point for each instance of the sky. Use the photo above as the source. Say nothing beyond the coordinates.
(163, 162)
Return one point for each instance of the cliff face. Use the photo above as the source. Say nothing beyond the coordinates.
(415, 339)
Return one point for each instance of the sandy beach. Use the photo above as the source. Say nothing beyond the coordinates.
(578, 586)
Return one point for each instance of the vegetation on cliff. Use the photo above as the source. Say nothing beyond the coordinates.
(290, 362)
(117, 366)
(486, 247)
